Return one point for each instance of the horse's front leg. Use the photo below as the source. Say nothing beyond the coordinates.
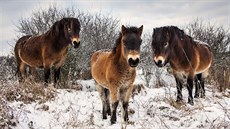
(46, 74)
(114, 100)
(104, 93)
(56, 75)
(125, 95)
(190, 88)
(179, 89)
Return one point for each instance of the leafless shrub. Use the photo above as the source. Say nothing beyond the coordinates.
(7, 119)
(28, 92)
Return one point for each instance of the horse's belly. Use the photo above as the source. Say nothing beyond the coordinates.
(30, 59)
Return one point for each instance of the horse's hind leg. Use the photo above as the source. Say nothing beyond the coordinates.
(56, 75)
(104, 94)
(47, 74)
(202, 90)
(108, 110)
(198, 85)
(22, 72)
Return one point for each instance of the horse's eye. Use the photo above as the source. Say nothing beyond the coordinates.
(69, 30)
(166, 44)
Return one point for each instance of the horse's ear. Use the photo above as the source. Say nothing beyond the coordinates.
(181, 34)
(123, 29)
(140, 30)
(56, 28)
(167, 31)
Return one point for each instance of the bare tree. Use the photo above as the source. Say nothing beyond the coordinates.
(217, 37)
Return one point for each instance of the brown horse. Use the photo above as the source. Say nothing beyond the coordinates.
(115, 71)
(49, 49)
(188, 58)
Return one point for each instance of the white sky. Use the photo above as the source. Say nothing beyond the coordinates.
(150, 13)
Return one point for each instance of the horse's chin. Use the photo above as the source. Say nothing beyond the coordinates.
(160, 65)
(76, 45)
(133, 66)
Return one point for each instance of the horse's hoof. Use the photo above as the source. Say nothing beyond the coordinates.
(126, 119)
(196, 96)
(191, 102)
(104, 117)
(109, 113)
(179, 100)
(202, 95)
(113, 122)
(45, 85)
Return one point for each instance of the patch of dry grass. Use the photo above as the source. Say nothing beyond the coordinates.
(27, 93)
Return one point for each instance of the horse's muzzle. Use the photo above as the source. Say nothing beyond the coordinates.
(159, 63)
(75, 42)
(133, 62)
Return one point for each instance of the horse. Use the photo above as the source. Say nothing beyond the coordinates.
(115, 70)
(47, 50)
(189, 59)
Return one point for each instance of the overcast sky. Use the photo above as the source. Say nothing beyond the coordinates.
(150, 13)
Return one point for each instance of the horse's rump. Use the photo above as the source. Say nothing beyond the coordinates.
(204, 58)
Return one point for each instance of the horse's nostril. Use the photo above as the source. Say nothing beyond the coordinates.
(137, 61)
(76, 44)
(159, 62)
(133, 63)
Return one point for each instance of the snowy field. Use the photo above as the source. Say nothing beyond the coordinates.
(151, 109)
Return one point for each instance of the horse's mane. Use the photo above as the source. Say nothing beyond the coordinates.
(118, 40)
(180, 33)
(53, 31)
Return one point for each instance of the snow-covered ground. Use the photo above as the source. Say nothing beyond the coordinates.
(151, 109)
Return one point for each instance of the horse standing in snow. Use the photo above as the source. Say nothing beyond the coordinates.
(49, 49)
(188, 58)
(115, 71)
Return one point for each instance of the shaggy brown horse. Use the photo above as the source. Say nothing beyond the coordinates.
(188, 58)
(115, 71)
(49, 49)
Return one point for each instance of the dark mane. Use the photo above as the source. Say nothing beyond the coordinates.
(180, 33)
(118, 40)
(53, 31)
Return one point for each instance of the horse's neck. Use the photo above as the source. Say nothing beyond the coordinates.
(56, 42)
(182, 52)
(120, 61)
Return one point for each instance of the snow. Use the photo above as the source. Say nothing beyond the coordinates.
(156, 109)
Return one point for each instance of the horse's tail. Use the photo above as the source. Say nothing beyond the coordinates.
(18, 44)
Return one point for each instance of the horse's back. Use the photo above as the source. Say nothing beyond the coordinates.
(99, 56)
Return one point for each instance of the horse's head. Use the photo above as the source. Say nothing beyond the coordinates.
(131, 41)
(70, 29)
(161, 46)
